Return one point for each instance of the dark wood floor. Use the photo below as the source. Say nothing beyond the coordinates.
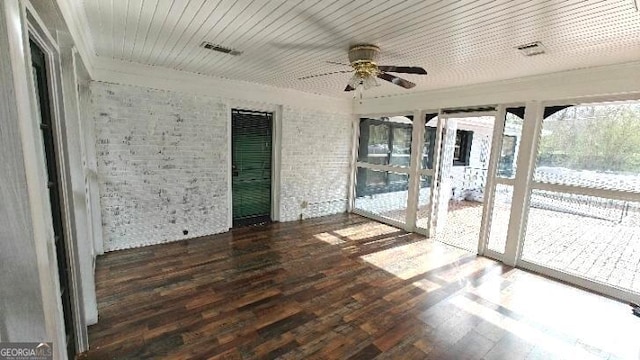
(342, 287)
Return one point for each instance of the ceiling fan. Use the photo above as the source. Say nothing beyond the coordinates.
(363, 60)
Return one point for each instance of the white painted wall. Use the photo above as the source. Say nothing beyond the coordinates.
(163, 163)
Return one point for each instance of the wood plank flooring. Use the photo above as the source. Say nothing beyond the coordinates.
(342, 287)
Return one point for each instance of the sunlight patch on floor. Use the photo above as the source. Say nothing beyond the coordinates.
(329, 239)
(426, 285)
(524, 331)
(414, 259)
(549, 303)
(366, 230)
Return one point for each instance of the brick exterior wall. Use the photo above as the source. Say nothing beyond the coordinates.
(163, 163)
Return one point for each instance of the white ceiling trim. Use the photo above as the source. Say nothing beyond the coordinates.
(128, 73)
(76, 20)
(620, 80)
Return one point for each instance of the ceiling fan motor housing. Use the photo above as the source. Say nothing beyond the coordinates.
(363, 58)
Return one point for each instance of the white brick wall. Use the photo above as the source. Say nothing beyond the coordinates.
(316, 150)
(163, 163)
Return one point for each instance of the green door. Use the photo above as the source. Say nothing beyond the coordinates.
(251, 166)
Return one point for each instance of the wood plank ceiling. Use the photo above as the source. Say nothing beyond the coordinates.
(458, 42)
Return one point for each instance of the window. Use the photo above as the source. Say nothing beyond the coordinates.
(385, 141)
(429, 146)
(462, 148)
(506, 163)
(464, 139)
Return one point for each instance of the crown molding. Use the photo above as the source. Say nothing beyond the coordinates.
(76, 20)
(135, 74)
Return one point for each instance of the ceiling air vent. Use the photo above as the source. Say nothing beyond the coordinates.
(209, 46)
(531, 49)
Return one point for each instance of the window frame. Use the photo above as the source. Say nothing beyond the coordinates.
(390, 184)
(464, 140)
(430, 138)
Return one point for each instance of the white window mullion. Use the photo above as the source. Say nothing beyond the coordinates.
(581, 190)
(434, 181)
(417, 143)
(378, 167)
(354, 159)
(489, 190)
(526, 162)
(505, 181)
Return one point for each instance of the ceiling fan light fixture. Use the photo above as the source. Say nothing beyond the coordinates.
(363, 53)
(369, 82)
(366, 71)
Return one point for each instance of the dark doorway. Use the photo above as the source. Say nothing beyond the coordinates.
(41, 83)
(251, 134)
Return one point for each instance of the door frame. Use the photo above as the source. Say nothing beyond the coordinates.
(487, 202)
(24, 25)
(276, 154)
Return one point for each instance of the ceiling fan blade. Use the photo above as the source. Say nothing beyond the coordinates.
(329, 73)
(349, 88)
(396, 80)
(337, 63)
(403, 69)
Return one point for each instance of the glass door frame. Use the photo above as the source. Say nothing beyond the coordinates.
(410, 171)
(488, 198)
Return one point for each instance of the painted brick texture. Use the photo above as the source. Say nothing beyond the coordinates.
(163, 163)
(316, 151)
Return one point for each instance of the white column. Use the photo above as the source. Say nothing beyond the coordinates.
(417, 143)
(525, 168)
(355, 125)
